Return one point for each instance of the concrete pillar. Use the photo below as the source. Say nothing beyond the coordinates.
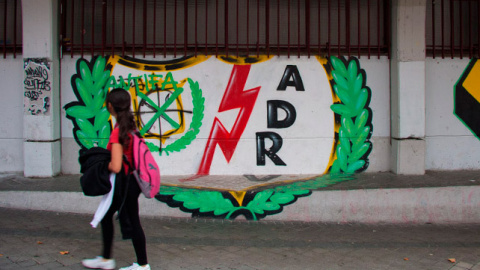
(408, 86)
(41, 120)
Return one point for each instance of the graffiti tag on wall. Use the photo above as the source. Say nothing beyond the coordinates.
(37, 86)
(245, 116)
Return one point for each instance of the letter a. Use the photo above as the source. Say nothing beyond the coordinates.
(291, 77)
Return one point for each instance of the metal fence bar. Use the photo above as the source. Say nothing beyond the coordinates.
(298, 28)
(196, 28)
(165, 28)
(175, 30)
(470, 46)
(225, 19)
(258, 28)
(92, 27)
(5, 28)
(288, 28)
(347, 25)
(104, 25)
(307, 26)
(267, 26)
(379, 44)
(278, 27)
(133, 28)
(359, 22)
(442, 8)
(154, 28)
(339, 22)
(123, 28)
(15, 29)
(206, 27)
(144, 27)
(185, 28)
(83, 27)
(236, 25)
(113, 27)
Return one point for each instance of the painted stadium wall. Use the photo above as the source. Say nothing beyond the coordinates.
(228, 116)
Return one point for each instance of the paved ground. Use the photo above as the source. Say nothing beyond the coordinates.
(36, 240)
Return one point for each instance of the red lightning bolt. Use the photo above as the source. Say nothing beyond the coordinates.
(234, 97)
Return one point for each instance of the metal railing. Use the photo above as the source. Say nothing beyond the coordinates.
(453, 28)
(226, 27)
(10, 27)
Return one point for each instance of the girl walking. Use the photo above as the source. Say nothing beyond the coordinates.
(125, 189)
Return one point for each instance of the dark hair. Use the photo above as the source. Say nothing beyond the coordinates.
(120, 100)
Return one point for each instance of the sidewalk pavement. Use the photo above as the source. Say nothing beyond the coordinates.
(31, 239)
(44, 224)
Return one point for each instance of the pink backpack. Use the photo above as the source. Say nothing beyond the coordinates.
(145, 169)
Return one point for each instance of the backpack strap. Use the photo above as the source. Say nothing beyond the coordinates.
(130, 167)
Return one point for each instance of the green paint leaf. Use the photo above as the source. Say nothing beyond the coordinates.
(363, 135)
(341, 110)
(335, 167)
(282, 198)
(79, 112)
(342, 94)
(358, 151)
(86, 75)
(342, 156)
(98, 68)
(361, 119)
(352, 70)
(357, 86)
(361, 101)
(84, 139)
(338, 65)
(97, 103)
(348, 127)
(340, 80)
(101, 119)
(101, 83)
(355, 166)
(344, 142)
(83, 92)
(259, 203)
(104, 132)
(87, 128)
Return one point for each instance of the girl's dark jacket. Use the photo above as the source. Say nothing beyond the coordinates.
(95, 181)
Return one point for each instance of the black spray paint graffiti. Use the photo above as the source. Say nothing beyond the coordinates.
(291, 77)
(37, 86)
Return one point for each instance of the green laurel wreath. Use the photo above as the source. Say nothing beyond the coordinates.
(198, 102)
(352, 150)
(355, 129)
(89, 115)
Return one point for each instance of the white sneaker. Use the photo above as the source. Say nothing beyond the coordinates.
(99, 263)
(135, 266)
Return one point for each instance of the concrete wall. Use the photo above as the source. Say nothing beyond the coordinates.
(11, 114)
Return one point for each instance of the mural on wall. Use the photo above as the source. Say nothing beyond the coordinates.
(37, 86)
(467, 97)
(258, 118)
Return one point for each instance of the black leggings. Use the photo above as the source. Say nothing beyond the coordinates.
(131, 208)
